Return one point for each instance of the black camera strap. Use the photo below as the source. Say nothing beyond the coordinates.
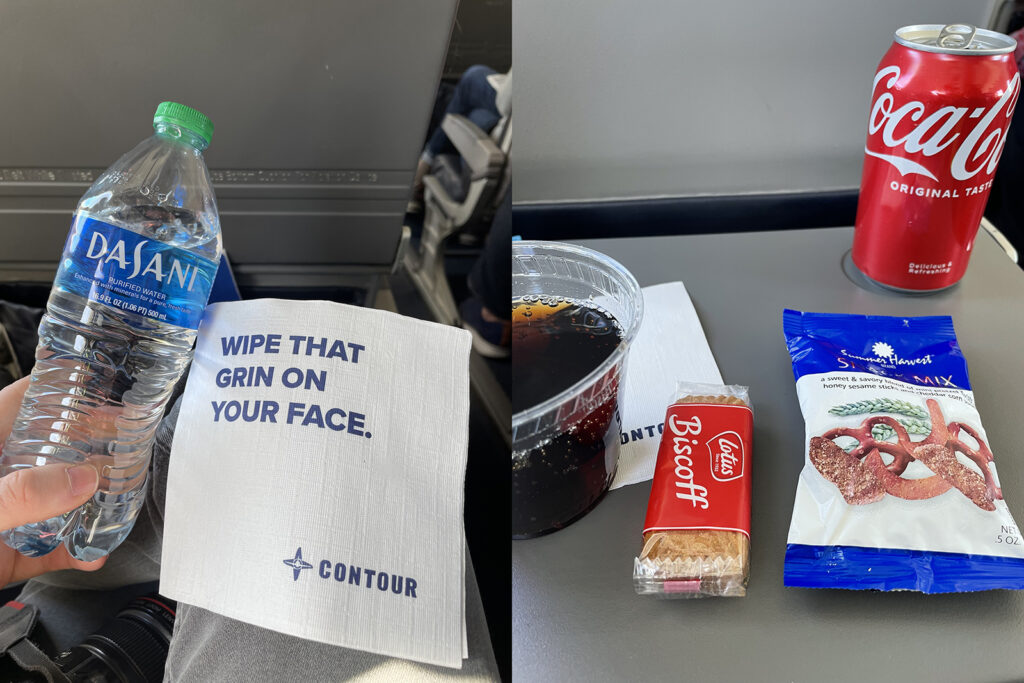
(16, 623)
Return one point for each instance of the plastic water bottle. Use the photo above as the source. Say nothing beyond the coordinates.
(130, 289)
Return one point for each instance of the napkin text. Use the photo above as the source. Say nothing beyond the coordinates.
(298, 413)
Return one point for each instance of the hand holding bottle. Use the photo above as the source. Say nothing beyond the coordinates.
(35, 494)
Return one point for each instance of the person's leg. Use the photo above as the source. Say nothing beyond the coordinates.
(485, 118)
(488, 313)
(471, 93)
(209, 647)
(491, 277)
(473, 98)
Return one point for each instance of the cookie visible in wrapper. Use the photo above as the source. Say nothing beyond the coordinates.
(697, 529)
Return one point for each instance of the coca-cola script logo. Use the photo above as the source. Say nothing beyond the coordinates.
(727, 459)
(933, 132)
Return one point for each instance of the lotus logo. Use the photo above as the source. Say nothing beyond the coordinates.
(726, 451)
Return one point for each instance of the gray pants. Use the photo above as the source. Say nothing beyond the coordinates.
(208, 647)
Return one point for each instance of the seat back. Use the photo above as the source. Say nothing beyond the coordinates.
(319, 111)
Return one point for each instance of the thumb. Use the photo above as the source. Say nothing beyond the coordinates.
(35, 494)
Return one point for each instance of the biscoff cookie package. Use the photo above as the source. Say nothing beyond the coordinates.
(697, 529)
(899, 489)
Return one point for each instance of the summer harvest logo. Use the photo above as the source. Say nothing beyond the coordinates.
(886, 356)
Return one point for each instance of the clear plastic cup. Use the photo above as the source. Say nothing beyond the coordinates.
(565, 449)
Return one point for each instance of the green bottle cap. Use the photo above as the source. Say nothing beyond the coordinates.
(186, 117)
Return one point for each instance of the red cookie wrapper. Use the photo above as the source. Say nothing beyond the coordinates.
(697, 529)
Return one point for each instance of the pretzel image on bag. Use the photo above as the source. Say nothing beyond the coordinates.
(899, 489)
(697, 529)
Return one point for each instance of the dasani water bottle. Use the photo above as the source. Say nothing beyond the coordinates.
(130, 289)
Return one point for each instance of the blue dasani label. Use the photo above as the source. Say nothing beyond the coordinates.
(126, 271)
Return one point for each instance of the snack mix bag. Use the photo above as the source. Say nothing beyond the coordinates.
(697, 530)
(899, 489)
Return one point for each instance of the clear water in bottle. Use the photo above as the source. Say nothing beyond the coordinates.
(122, 316)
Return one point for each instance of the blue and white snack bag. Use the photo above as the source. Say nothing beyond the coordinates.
(899, 489)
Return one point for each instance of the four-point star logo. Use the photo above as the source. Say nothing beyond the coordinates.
(298, 564)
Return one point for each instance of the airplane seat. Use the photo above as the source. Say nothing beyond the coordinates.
(461, 194)
(465, 189)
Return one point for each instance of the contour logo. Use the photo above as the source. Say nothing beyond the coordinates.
(298, 564)
(384, 582)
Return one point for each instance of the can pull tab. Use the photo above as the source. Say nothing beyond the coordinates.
(956, 36)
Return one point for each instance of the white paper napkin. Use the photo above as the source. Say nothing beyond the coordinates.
(669, 347)
(340, 523)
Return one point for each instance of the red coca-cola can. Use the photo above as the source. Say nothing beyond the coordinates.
(940, 108)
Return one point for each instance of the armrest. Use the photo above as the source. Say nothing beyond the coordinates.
(1000, 239)
(476, 147)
